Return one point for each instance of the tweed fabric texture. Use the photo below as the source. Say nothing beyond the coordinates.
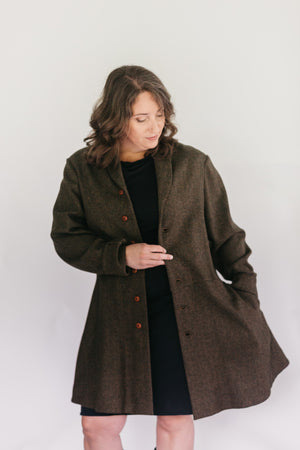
(230, 355)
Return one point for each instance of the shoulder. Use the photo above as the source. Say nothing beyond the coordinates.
(78, 157)
(77, 163)
(188, 153)
(195, 160)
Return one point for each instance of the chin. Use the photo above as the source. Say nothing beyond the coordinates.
(152, 147)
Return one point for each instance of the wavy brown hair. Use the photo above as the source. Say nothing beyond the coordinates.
(111, 113)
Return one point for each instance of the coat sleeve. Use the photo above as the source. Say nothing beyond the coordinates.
(229, 249)
(74, 242)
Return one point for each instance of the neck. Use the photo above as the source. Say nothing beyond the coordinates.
(131, 156)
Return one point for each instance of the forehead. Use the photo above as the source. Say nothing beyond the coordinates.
(145, 103)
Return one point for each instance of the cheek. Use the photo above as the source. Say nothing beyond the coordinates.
(139, 134)
(133, 134)
(136, 135)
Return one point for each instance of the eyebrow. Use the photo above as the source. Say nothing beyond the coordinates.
(146, 114)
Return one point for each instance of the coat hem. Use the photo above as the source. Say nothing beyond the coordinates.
(240, 405)
(196, 416)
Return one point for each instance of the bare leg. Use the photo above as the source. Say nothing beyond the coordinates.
(102, 432)
(175, 432)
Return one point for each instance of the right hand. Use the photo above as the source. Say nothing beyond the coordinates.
(144, 256)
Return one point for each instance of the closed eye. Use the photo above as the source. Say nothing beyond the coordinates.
(144, 120)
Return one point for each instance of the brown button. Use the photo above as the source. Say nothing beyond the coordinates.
(121, 192)
(187, 333)
(134, 270)
(124, 218)
(138, 325)
(178, 280)
(182, 306)
(165, 230)
(137, 298)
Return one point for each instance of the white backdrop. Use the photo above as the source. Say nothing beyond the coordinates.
(232, 68)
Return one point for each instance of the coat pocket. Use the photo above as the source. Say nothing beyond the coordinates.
(245, 296)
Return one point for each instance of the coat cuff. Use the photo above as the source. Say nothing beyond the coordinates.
(114, 259)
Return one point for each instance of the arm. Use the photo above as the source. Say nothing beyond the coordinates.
(74, 242)
(228, 247)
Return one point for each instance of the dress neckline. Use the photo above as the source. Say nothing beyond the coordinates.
(137, 163)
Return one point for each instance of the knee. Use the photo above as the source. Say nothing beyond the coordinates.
(110, 426)
(172, 424)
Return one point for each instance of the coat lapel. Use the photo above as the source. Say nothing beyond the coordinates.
(163, 169)
(116, 174)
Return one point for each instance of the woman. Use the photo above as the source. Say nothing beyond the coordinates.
(149, 215)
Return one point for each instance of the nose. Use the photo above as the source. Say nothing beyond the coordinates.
(154, 126)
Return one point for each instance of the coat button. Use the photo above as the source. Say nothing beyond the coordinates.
(138, 325)
(182, 306)
(178, 280)
(187, 333)
(137, 298)
(124, 218)
(165, 230)
(121, 192)
(134, 270)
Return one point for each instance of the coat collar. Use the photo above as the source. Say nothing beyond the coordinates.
(163, 169)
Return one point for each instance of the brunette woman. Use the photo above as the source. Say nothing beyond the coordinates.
(149, 216)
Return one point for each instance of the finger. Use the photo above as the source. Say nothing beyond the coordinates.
(157, 249)
(167, 256)
(157, 257)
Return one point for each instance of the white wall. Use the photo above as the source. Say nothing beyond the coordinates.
(232, 68)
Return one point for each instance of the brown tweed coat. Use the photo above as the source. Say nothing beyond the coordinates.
(230, 355)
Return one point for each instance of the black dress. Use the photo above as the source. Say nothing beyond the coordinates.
(170, 391)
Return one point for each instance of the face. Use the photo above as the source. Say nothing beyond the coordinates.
(145, 125)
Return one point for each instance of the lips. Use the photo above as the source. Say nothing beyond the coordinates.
(152, 138)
